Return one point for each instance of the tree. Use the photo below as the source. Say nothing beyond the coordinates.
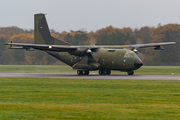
(112, 36)
(2, 46)
(68, 38)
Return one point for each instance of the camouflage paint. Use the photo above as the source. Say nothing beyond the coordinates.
(100, 59)
(42, 34)
(115, 60)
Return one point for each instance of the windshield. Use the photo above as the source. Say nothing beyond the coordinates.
(130, 53)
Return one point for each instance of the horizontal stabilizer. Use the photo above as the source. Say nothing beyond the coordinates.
(16, 48)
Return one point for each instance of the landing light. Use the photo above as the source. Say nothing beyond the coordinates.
(50, 47)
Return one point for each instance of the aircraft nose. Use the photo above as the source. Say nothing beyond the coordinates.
(138, 63)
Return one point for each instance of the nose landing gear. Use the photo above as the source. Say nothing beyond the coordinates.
(130, 72)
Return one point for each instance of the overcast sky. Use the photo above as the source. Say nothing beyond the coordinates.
(89, 15)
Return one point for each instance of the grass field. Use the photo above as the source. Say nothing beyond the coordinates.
(66, 69)
(40, 98)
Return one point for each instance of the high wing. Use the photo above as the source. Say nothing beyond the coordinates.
(135, 46)
(75, 50)
(82, 50)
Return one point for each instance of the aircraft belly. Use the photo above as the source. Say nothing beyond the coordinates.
(81, 66)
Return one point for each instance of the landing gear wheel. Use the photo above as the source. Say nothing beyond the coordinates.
(130, 72)
(79, 72)
(100, 72)
(84, 72)
(104, 72)
(108, 72)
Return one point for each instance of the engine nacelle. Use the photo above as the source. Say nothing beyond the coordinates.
(159, 48)
(79, 52)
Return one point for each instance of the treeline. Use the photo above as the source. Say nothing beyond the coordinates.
(104, 36)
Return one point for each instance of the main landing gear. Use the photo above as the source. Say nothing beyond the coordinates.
(101, 72)
(83, 72)
(104, 72)
(130, 72)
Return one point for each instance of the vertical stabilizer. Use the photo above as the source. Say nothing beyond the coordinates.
(42, 34)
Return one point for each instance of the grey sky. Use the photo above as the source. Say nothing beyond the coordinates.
(90, 15)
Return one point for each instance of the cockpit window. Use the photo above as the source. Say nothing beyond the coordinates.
(130, 53)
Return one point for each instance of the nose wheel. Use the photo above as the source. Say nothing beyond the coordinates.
(83, 72)
(130, 72)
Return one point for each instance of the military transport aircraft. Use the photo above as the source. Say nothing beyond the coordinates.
(86, 58)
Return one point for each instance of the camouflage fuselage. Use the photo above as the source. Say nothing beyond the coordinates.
(112, 59)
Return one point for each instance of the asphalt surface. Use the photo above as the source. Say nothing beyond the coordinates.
(92, 76)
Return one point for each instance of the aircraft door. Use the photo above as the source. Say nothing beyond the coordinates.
(109, 60)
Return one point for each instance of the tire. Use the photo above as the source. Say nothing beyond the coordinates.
(104, 72)
(79, 72)
(83, 72)
(130, 72)
(108, 72)
(101, 72)
(86, 72)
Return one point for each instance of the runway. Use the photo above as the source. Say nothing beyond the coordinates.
(92, 76)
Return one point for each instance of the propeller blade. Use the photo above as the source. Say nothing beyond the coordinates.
(91, 43)
(138, 41)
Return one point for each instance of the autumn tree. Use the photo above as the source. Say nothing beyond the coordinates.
(112, 36)
(104, 36)
(76, 38)
(2, 48)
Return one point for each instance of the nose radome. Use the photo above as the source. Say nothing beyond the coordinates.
(138, 63)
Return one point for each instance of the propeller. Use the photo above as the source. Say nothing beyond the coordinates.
(11, 44)
(138, 41)
(91, 55)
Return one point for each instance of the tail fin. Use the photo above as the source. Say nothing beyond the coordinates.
(42, 34)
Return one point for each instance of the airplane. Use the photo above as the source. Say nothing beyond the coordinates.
(86, 58)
